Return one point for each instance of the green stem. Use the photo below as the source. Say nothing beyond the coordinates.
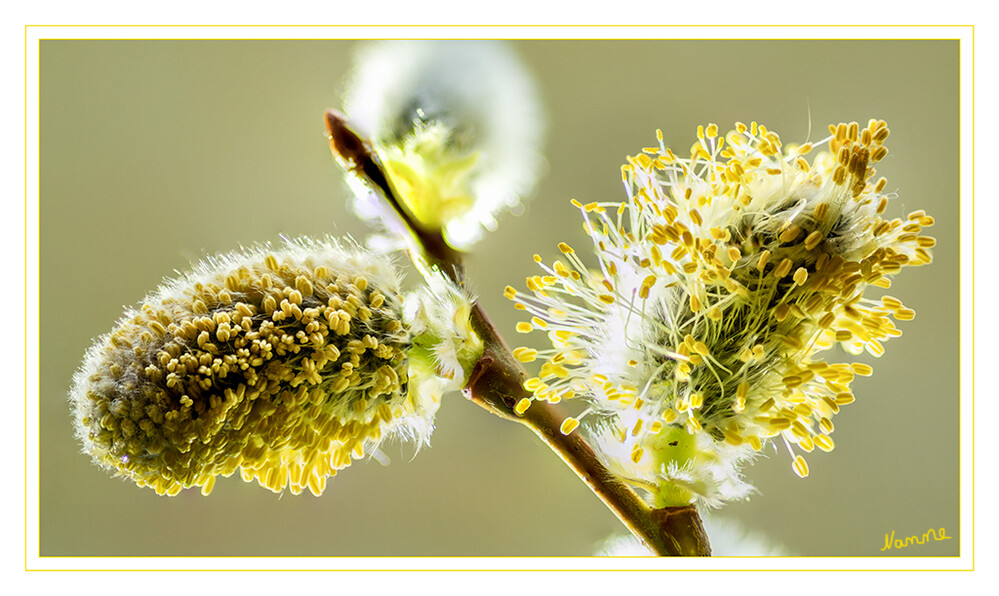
(496, 380)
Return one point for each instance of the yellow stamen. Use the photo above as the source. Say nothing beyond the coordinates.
(568, 425)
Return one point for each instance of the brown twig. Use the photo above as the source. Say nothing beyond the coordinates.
(496, 380)
(496, 383)
(356, 155)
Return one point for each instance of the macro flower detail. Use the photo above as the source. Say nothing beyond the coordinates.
(457, 126)
(443, 334)
(284, 364)
(720, 283)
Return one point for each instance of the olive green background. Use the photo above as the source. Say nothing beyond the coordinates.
(156, 153)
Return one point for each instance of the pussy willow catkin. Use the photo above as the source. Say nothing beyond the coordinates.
(721, 280)
(457, 126)
(281, 363)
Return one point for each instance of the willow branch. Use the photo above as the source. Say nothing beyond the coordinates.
(356, 155)
(496, 380)
(496, 383)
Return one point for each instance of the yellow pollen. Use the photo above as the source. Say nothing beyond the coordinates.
(783, 269)
(779, 423)
(800, 467)
(843, 399)
(825, 424)
(636, 454)
(764, 258)
(824, 442)
(525, 354)
(637, 428)
(789, 234)
(891, 302)
(568, 425)
(813, 240)
(861, 369)
(781, 311)
(647, 284)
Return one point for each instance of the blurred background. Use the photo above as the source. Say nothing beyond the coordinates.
(157, 153)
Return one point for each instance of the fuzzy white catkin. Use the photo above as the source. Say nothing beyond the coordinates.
(722, 282)
(284, 363)
(480, 94)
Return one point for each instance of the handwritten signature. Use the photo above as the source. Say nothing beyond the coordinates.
(892, 542)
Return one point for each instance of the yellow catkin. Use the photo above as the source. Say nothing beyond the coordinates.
(217, 374)
(758, 259)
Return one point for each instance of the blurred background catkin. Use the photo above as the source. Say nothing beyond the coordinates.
(156, 153)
